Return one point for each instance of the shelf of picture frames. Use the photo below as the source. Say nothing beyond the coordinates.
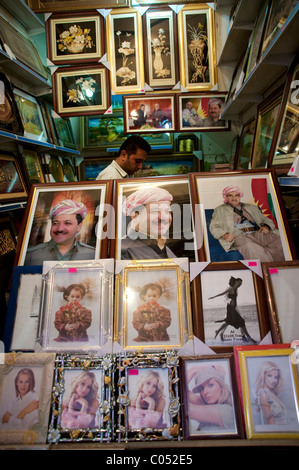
(274, 62)
(20, 10)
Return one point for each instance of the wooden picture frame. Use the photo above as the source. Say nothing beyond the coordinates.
(38, 368)
(149, 114)
(197, 47)
(140, 322)
(33, 167)
(197, 373)
(64, 132)
(31, 115)
(260, 188)
(124, 50)
(75, 38)
(281, 291)
(201, 112)
(253, 367)
(160, 45)
(229, 305)
(244, 145)
(164, 421)
(278, 15)
(10, 119)
(79, 90)
(102, 131)
(168, 195)
(12, 183)
(45, 6)
(35, 229)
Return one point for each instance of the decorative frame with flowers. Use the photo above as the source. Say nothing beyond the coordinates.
(161, 419)
(32, 427)
(75, 38)
(125, 51)
(79, 91)
(95, 424)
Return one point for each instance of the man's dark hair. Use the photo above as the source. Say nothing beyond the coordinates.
(133, 143)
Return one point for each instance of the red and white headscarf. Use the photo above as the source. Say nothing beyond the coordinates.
(230, 189)
(67, 207)
(144, 196)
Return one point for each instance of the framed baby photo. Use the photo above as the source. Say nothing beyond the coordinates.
(76, 311)
(23, 308)
(25, 395)
(241, 215)
(81, 409)
(125, 50)
(270, 392)
(152, 305)
(80, 209)
(149, 114)
(281, 284)
(75, 37)
(196, 36)
(201, 112)
(148, 397)
(229, 306)
(153, 219)
(209, 398)
(79, 90)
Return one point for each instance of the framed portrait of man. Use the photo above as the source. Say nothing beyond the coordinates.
(153, 219)
(64, 222)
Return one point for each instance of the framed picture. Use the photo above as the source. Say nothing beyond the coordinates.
(102, 131)
(51, 204)
(41, 6)
(201, 112)
(75, 37)
(80, 90)
(31, 115)
(209, 396)
(244, 146)
(153, 219)
(10, 119)
(64, 132)
(267, 116)
(23, 49)
(23, 308)
(270, 392)
(174, 164)
(125, 51)
(32, 164)
(197, 47)
(149, 114)
(82, 408)
(229, 305)
(77, 307)
(12, 184)
(278, 15)
(148, 398)
(160, 46)
(18, 425)
(258, 193)
(152, 304)
(89, 168)
(281, 284)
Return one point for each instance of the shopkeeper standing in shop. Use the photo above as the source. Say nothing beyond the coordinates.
(130, 158)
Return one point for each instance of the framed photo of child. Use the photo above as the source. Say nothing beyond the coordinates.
(25, 392)
(209, 393)
(148, 396)
(152, 304)
(81, 408)
(77, 307)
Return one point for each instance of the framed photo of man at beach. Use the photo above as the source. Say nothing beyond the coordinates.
(64, 222)
(242, 216)
(153, 219)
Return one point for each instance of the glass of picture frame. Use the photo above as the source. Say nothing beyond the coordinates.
(152, 316)
(31, 115)
(209, 395)
(76, 311)
(82, 399)
(154, 416)
(32, 427)
(12, 184)
(244, 146)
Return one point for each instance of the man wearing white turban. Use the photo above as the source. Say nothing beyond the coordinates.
(66, 221)
(243, 227)
(148, 231)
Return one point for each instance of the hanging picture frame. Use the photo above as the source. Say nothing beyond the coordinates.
(201, 112)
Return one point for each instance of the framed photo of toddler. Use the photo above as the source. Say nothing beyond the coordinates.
(209, 398)
(24, 409)
(152, 315)
(76, 312)
(81, 400)
(268, 382)
(282, 288)
(148, 397)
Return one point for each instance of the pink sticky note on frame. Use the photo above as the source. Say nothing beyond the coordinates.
(133, 372)
(72, 270)
(273, 270)
(252, 263)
